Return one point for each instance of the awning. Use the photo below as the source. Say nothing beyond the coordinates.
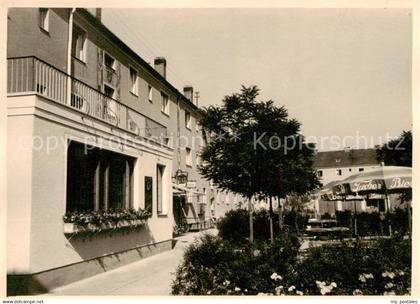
(378, 180)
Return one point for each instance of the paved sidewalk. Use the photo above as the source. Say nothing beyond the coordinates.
(150, 276)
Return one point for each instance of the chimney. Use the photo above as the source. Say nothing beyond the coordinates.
(160, 66)
(98, 14)
(188, 92)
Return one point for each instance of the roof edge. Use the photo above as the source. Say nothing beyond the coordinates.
(114, 38)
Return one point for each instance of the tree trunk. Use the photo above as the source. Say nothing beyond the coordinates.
(409, 219)
(408, 215)
(251, 221)
(280, 215)
(271, 220)
(296, 222)
(355, 218)
(388, 207)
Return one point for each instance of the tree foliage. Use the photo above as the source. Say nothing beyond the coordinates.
(397, 152)
(255, 148)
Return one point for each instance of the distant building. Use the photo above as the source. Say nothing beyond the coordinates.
(338, 165)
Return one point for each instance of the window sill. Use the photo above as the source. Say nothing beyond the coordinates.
(164, 113)
(79, 60)
(45, 31)
(132, 93)
(162, 214)
(151, 100)
(71, 228)
(189, 166)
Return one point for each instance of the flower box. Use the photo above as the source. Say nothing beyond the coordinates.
(72, 228)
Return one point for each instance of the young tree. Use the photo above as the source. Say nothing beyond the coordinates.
(255, 149)
(397, 152)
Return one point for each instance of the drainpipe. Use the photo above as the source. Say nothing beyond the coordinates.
(69, 43)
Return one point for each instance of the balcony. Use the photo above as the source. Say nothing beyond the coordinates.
(30, 75)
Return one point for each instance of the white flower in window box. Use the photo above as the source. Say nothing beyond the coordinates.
(69, 228)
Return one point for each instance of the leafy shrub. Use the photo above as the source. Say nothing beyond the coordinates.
(372, 268)
(234, 226)
(214, 266)
(344, 218)
(399, 220)
(369, 224)
(295, 220)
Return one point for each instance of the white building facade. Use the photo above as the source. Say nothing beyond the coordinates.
(93, 152)
(338, 165)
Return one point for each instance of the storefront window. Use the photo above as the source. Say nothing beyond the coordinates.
(98, 179)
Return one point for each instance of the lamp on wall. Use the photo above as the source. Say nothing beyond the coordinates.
(181, 177)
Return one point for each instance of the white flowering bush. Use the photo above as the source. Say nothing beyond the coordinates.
(325, 288)
(212, 266)
(356, 268)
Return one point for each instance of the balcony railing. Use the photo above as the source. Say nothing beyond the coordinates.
(30, 75)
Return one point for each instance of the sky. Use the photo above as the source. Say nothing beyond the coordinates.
(344, 74)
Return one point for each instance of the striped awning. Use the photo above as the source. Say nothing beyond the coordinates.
(391, 178)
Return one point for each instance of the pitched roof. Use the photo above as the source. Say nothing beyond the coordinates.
(100, 26)
(345, 158)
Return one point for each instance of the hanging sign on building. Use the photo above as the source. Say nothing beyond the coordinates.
(191, 184)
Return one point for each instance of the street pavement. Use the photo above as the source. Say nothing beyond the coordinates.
(149, 276)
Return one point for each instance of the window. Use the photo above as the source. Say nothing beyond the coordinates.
(319, 173)
(188, 157)
(198, 160)
(148, 194)
(338, 171)
(165, 104)
(78, 47)
(109, 61)
(109, 91)
(349, 169)
(44, 19)
(204, 196)
(361, 169)
(134, 82)
(81, 167)
(202, 212)
(187, 120)
(119, 179)
(98, 179)
(110, 106)
(197, 126)
(160, 170)
(150, 93)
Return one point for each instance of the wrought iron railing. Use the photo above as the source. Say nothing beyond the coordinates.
(30, 75)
